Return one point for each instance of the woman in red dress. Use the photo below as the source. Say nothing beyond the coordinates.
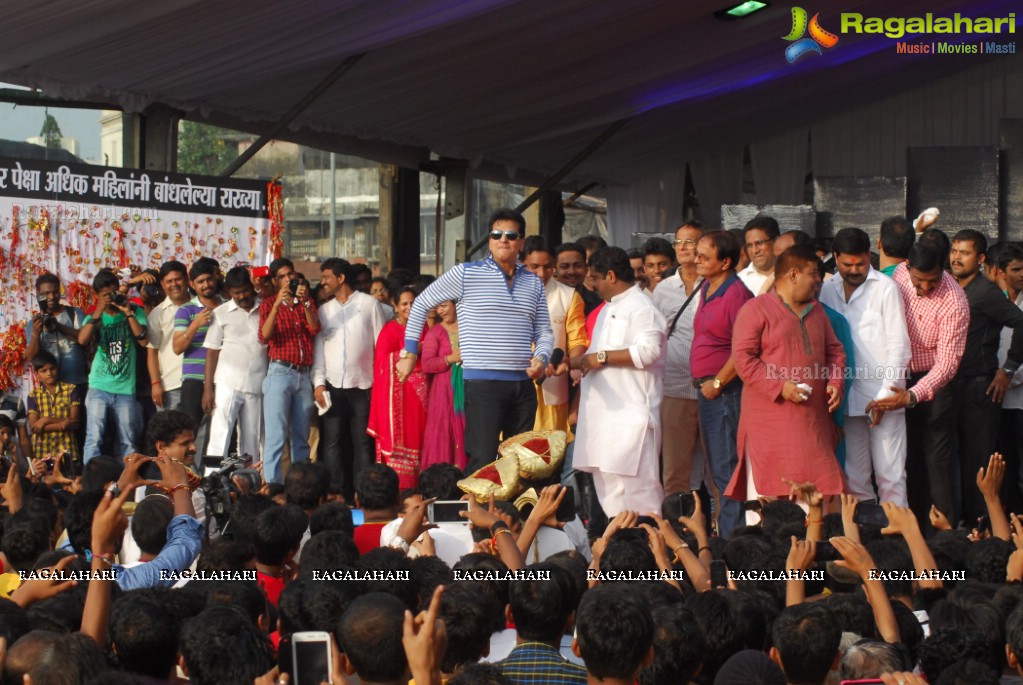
(397, 411)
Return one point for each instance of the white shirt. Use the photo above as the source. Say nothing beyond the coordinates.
(243, 361)
(753, 279)
(619, 404)
(669, 296)
(880, 338)
(343, 349)
(1014, 395)
(160, 324)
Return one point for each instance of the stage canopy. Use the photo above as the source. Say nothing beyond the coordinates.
(518, 87)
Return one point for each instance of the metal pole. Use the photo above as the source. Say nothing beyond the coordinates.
(333, 205)
(290, 115)
(561, 173)
(437, 229)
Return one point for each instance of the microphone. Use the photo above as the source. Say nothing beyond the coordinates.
(557, 356)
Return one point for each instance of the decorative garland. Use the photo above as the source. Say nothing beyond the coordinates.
(275, 212)
(12, 356)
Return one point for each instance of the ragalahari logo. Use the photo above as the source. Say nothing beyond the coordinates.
(818, 38)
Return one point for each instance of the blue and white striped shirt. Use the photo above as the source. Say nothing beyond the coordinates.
(498, 325)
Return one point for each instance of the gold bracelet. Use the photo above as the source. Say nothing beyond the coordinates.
(499, 531)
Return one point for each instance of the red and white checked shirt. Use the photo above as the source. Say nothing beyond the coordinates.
(292, 340)
(937, 331)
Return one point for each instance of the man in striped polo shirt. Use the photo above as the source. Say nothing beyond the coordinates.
(191, 322)
(504, 330)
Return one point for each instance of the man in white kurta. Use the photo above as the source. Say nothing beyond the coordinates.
(236, 365)
(619, 434)
(871, 303)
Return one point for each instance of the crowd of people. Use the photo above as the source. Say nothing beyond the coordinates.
(742, 409)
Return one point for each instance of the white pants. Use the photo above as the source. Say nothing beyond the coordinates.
(241, 409)
(880, 450)
(640, 493)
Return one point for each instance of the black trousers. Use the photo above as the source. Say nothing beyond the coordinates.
(344, 445)
(931, 458)
(191, 399)
(977, 419)
(494, 409)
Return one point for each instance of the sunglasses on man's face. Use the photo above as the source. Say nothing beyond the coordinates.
(510, 235)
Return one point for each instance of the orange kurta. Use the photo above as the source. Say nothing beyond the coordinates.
(784, 440)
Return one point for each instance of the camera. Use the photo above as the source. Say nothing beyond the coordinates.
(293, 286)
(119, 299)
(218, 487)
(49, 323)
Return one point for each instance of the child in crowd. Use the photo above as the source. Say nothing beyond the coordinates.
(54, 410)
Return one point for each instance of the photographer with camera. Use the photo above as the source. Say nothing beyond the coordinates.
(54, 329)
(119, 327)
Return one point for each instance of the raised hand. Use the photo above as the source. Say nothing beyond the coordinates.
(989, 481)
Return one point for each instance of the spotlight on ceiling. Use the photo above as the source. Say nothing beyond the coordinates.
(743, 9)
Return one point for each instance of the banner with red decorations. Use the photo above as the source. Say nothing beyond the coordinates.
(73, 220)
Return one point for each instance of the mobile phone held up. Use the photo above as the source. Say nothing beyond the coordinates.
(448, 511)
(718, 574)
(870, 514)
(311, 658)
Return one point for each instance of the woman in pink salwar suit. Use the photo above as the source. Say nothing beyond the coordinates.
(444, 440)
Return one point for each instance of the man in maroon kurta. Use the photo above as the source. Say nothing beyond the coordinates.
(783, 340)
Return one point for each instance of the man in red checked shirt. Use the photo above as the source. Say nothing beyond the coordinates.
(937, 316)
(287, 324)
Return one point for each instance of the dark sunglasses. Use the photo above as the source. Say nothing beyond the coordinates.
(510, 235)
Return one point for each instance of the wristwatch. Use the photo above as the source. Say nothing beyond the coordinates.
(405, 354)
(717, 384)
(912, 400)
(602, 358)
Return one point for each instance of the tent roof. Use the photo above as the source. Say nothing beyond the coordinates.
(516, 86)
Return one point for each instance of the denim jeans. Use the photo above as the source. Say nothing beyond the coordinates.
(287, 403)
(719, 425)
(171, 399)
(127, 413)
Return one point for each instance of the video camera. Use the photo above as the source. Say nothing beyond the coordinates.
(219, 484)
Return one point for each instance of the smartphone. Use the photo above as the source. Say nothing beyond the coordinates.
(293, 286)
(566, 510)
(718, 574)
(826, 552)
(983, 524)
(870, 514)
(686, 503)
(753, 505)
(447, 511)
(358, 517)
(311, 662)
(261, 272)
(648, 520)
